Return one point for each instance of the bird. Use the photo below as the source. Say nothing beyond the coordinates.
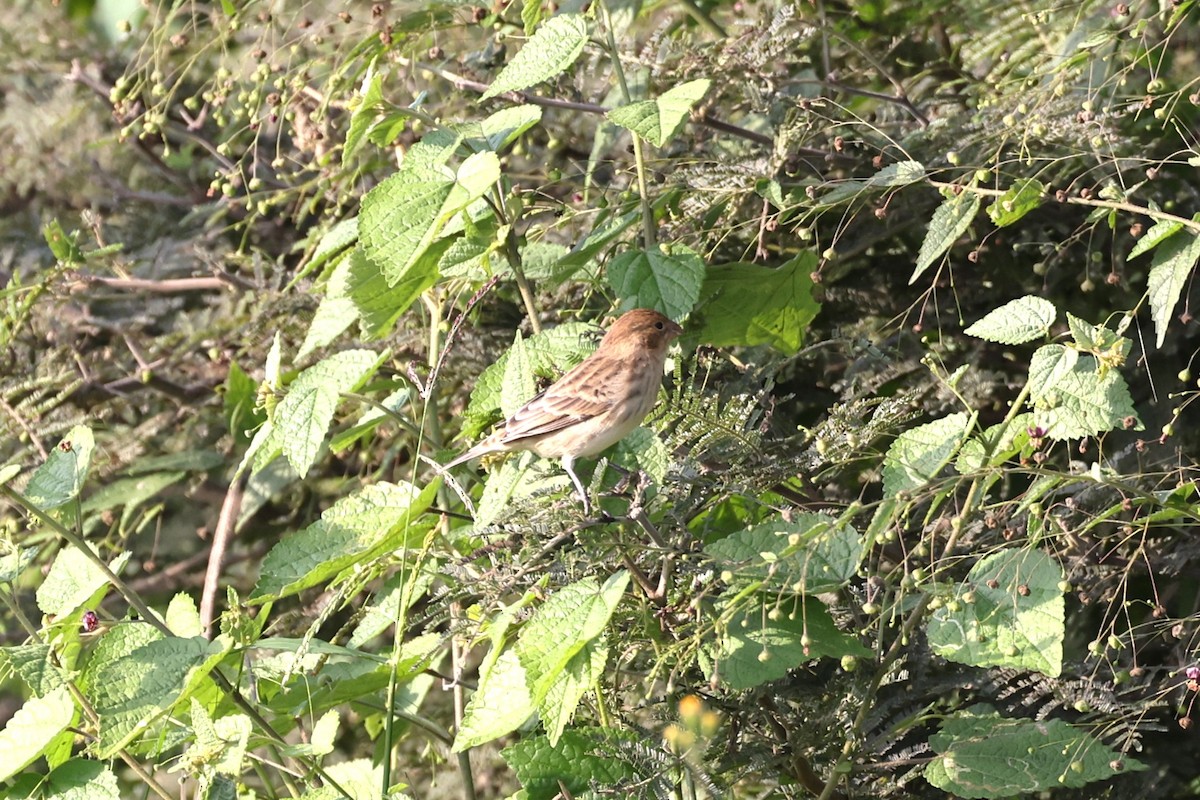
(595, 404)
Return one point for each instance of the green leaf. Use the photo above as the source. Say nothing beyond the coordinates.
(377, 519)
(1002, 441)
(531, 15)
(131, 692)
(548, 53)
(304, 415)
(131, 493)
(899, 174)
(1016, 322)
(74, 581)
(1049, 365)
(37, 665)
(902, 173)
(983, 755)
(543, 261)
(560, 628)
(61, 478)
(324, 733)
(321, 741)
(8, 472)
(519, 384)
(337, 310)
(372, 417)
(1007, 613)
(182, 617)
(402, 216)
(65, 248)
(581, 761)
(1022, 197)
(502, 702)
(353, 676)
(500, 705)
(32, 729)
(919, 454)
(14, 560)
(1097, 339)
(745, 304)
(607, 230)
(667, 280)
(950, 221)
(390, 601)
(1073, 396)
(582, 673)
(646, 452)
(333, 242)
(379, 305)
(511, 479)
(809, 554)
(774, 634)
(657, 121)
(1159, 232)
(1173, 262)
(500, 129)
(216, 748)
(467, 257)
(82, 779)
(366, 109)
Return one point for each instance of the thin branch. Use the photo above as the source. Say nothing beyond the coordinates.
(649, 234)
(217, 282)
(1090, 202)
(706, 120)
(226, 522)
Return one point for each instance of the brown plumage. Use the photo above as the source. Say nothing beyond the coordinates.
(594, 405)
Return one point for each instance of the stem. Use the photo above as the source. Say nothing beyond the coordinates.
(231, 506)
(639, 157)
(456, 655)
(78, 542)
(145, 776)
(702, 18)
(1090, 202)
(707, 120)
(513, 256)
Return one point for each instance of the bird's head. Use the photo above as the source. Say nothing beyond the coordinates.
(639, 330)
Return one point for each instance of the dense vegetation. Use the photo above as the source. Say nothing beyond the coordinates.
(915, 512)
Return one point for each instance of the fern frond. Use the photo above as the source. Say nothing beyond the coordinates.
(709, 424)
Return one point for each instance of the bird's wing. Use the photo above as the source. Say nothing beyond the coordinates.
(576, 397)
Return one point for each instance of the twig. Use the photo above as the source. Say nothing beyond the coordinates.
(226, 522)
(464, 756)
(706, 120)
(649, 234)
(901, 95)
(701, 16)
(1074, 200)
(166, 286)
(33, 437)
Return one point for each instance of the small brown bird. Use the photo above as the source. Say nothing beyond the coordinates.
(594, 405)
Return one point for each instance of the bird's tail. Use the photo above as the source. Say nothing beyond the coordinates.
(485, 447)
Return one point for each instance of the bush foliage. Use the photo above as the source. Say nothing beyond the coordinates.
(913, 516)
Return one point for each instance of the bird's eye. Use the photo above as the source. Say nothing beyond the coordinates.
(659, 325)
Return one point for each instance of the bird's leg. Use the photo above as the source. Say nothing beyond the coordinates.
(622, 482)
(568, 463)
